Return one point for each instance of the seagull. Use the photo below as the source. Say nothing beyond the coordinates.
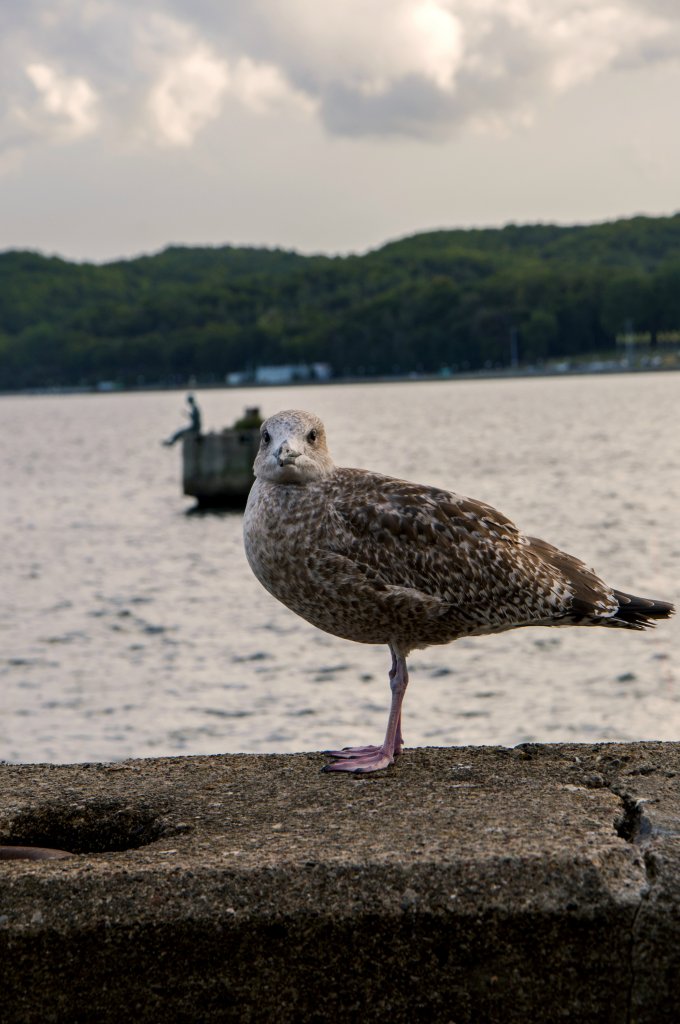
(379, 560)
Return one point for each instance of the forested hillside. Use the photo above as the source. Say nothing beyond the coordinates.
(463, 300)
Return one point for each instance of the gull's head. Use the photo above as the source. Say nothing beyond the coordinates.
(292, 449)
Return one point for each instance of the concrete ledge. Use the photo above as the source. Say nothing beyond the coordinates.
(465, 885)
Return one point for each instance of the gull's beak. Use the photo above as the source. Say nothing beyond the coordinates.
(285, 455)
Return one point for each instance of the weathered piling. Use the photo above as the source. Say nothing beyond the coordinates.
(464, 885)
(217, 468)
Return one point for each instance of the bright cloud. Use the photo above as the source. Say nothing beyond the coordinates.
(70, 100)
(186, 96)
(190, 90)
(364, 44)
(440, 42)
(588, 41)
(263, 87)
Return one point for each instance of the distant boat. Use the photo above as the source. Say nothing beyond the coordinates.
(217, 468)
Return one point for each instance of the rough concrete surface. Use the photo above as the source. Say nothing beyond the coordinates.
(465, 885)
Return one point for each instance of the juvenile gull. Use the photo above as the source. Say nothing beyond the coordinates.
(383, 561)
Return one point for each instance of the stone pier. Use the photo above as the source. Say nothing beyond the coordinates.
(465, 886)
(217, 469)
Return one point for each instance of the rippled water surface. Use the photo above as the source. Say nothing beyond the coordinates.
(132, 629)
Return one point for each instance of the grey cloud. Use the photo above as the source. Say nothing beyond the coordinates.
(416, 108)
(412, 107)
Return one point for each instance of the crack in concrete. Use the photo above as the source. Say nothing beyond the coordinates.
(634, 826)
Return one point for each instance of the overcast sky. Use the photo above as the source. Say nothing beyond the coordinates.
(329, 126)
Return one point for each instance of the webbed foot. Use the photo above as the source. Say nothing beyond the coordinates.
(359, 760)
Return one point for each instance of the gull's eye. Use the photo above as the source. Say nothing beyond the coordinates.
(312, 436)
(266, 437)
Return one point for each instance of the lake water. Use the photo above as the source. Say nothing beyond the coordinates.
(132, 629)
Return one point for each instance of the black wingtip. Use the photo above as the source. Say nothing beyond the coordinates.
(640, 612)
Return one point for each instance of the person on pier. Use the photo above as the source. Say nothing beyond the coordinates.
(194, 427)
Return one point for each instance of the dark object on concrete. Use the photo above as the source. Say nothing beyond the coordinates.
(469, 885)
(32, 853)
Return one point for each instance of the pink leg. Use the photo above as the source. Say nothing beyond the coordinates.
(349, 753)
(372, 759)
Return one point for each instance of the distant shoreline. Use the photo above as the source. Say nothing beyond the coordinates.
(412, 378)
